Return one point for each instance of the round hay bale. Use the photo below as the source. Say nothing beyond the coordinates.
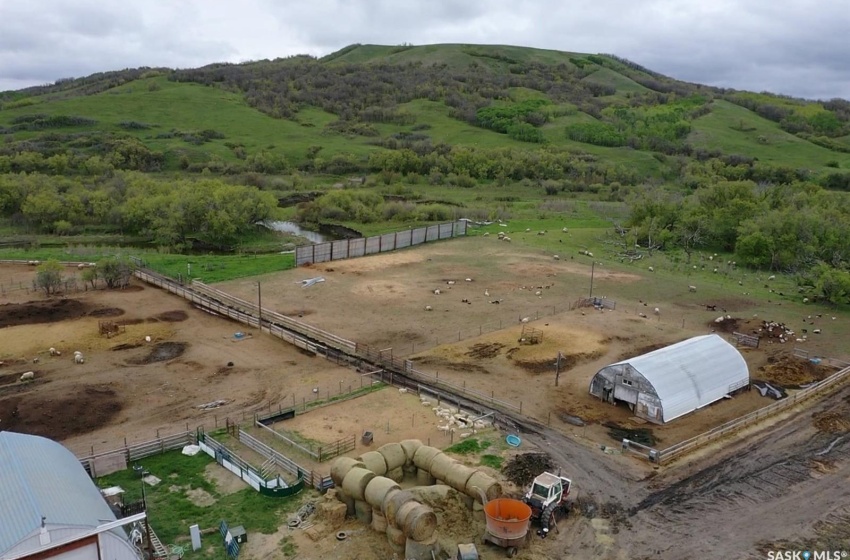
(341, 466)
(387, 499)
(441, 465)
(424, 478)
(489, 485)
(375, 462)
(377, 490)
(393, 503)
(410, 446)
(402, 513)
(396, 474)
(458, 477)
(393, 455)
(396, 538)
(379, 522)
(355, 482)
(363, 512)
(420, 523)
(422, 550)
(348, 501)
(424, 455)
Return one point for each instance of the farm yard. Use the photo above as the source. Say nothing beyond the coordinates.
(469, 334)
(467, 339)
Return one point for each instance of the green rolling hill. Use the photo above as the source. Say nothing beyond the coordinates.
(360, 99)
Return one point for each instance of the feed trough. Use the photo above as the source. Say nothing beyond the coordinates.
(507, 524)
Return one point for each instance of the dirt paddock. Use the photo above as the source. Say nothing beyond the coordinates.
(391, 292)
(130, 388)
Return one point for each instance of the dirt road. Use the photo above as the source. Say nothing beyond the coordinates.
(782, 489)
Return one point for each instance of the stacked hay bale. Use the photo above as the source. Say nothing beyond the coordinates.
(332, 510)
(370, 491)
(339, 469)
(376, 493)
(354, 484)
(466, 480)
(410, 446)
(394, 460)
(375, 462)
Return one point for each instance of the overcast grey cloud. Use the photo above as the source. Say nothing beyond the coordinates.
(794, 47)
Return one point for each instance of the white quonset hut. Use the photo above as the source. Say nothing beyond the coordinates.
(50, 508)
(673, 381)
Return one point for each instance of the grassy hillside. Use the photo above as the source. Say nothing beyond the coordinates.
(368, 98)
(734, 129)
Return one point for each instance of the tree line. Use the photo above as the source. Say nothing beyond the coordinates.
(797, 227)
(175, 213)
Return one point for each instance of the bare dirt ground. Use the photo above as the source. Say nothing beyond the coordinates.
(128, 388)
(389, 415)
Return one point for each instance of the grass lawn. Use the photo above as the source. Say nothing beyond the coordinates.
(171, 509)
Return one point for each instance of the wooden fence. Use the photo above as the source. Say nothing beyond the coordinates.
(294, 332)
(352, 248)
(108, 462)
(831, 383)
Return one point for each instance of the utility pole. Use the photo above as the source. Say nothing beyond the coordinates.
(592, 266)
(260, 307)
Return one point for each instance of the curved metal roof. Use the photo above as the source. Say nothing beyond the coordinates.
(41, 478)
(693, 373)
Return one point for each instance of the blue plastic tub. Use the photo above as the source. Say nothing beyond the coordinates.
(513, 440)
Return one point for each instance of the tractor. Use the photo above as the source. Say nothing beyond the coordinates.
(548, 495)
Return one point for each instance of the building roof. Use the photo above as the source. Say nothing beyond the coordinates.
(41, 478)
(693, 373)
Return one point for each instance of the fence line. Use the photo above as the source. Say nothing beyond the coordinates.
(287, 441)
(252, 475)
(378, 357)
(324, 452)
(830, 383)
(312, 478)
(114, 460)
(362, 246)
(290, 330)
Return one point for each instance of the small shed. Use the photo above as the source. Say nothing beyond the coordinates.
(672, 381)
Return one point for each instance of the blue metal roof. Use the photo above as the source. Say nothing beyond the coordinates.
(692, 373)
(41, 478)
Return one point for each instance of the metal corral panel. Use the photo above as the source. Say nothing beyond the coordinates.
(418, 236)
(432, 233)
(446, 230)
(357, 247)
(388, 242)
(373, 245)
(39, 477)
(404, 239)
(340, 249)
(322, 252)
(691, 374)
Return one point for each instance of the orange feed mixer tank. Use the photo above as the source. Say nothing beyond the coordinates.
(507, 518)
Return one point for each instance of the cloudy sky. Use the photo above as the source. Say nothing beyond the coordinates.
(794, 47)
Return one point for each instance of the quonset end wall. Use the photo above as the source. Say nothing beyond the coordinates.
(625, 383)
(351, 248)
